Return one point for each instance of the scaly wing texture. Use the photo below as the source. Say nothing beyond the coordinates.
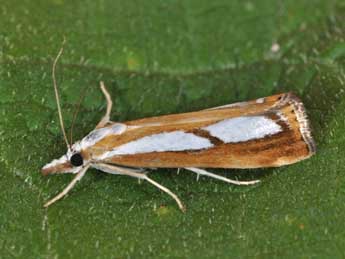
(267, 132)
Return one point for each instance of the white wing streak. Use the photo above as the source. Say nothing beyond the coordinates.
(161, 142)
(244, 128)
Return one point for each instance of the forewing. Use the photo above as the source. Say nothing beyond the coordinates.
(266, 132)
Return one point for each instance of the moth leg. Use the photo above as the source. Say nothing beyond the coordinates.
(116, 170)
(77, 178)
(140, 175)
(106, 117)
(166, 190)
(218, 177)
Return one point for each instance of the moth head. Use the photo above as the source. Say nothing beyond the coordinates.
(74, 160)
(71, 162)
(77, 155)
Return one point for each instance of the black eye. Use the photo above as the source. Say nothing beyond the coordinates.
(76, 159)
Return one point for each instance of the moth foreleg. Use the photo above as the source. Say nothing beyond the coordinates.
(218, 177)
(106, 117)
(77, 178)
(140, 175)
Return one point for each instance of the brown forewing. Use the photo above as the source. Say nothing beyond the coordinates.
(291, 145)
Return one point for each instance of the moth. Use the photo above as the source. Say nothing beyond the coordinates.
(267, 132)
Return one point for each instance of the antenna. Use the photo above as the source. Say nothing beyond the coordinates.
(57, 93)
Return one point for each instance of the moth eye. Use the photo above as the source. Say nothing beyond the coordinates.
(76, 159)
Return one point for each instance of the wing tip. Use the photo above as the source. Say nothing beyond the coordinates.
(302, 118)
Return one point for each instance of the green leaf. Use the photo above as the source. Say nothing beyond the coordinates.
(160, 57)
